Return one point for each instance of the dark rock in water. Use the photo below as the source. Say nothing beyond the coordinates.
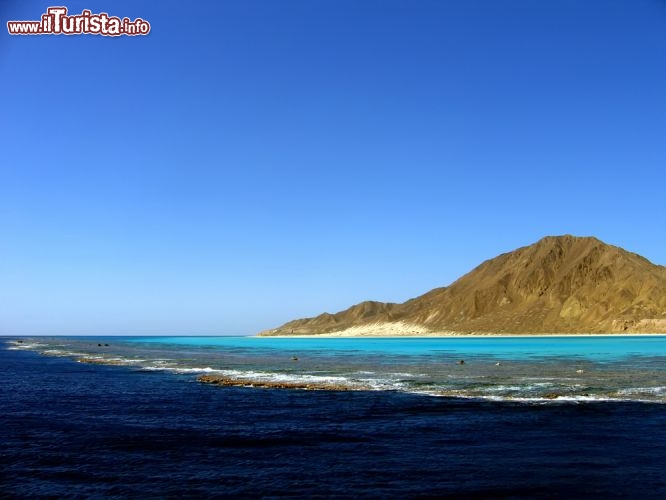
(20, 341)
(264, 384)
(106, 345)
(294, 358)
(95, 361)
(99, 345)
(461, 362)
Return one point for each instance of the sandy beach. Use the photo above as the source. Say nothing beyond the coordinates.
(401, 329)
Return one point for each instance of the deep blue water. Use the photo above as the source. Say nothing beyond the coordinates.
(82, 430)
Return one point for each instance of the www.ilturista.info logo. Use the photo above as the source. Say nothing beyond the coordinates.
(57, 22)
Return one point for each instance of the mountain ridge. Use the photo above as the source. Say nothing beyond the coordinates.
(560, 284)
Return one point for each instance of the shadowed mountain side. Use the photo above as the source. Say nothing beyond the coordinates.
(561, 284)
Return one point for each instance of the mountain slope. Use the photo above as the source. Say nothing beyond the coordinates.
(561, 284)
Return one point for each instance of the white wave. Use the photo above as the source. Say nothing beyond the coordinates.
(176, 369)
(534, 399)
(653, 391)
(28, 345)
(285, 377)
(379, 384)
(206, 369)
(549, 379)
(250, 375)
(507, 388)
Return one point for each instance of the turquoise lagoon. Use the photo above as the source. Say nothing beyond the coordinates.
(591, 347)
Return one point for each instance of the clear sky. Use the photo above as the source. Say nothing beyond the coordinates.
(253, 161)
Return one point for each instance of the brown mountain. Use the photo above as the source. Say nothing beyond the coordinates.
(561, 284)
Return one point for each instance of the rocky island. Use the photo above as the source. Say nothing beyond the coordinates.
(558, 285)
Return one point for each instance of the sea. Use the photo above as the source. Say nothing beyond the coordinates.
(470, 417)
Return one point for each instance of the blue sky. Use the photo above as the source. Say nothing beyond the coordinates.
(250, 162)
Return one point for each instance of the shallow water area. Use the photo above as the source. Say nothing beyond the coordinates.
(590, 368)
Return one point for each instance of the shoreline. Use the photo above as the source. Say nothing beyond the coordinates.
(14, 339)
(452, 335)
(403, 329)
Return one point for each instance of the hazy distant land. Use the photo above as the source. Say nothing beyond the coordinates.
(559, 285)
